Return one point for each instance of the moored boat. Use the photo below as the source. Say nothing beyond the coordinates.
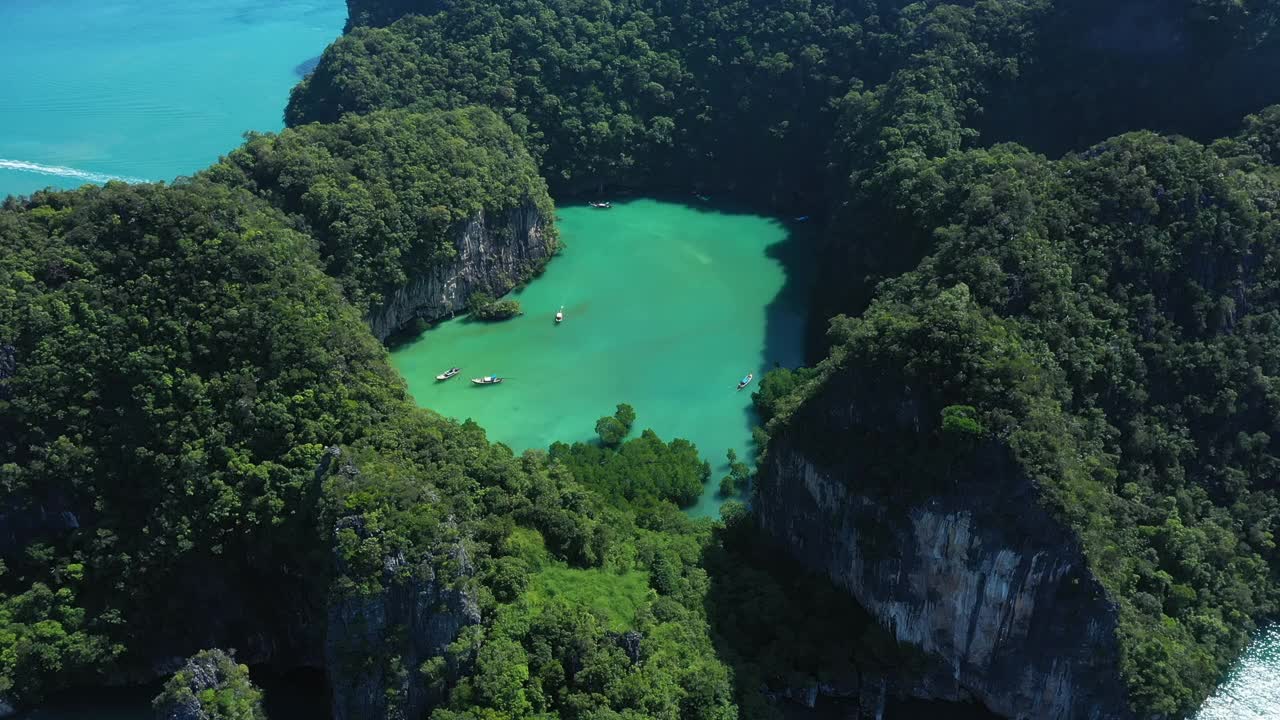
(487, 380)
(448, 373)
(746, 380)
(601, 205)
(560, 315)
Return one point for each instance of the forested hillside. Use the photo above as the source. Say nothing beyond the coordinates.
(201, 444)
(383, 194)
(890, 100)
(204, 446)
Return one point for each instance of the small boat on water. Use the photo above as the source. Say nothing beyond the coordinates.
(601, 205)
(746, 380)
(560, 315)
(487, 380)
(802, 218)
(448, 373)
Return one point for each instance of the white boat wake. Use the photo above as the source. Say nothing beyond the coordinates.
(66, 172)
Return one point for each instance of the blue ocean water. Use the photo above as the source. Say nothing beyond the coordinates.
(145, 89)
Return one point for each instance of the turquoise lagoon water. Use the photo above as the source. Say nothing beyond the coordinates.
(144, 89)
(667, 305)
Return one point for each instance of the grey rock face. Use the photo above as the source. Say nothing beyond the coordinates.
(978, 574)
(494, 254)
(376, 643)
(211, 670)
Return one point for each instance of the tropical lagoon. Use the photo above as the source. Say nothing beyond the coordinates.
(667, 306)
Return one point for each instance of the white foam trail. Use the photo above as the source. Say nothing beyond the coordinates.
(64, 171)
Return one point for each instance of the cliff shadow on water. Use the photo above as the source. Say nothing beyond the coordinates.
(298, 694)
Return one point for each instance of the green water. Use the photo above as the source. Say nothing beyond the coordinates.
(667, 306)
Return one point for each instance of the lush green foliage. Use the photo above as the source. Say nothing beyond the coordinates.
(1111, 317)
(181, 362)
(176, 362)
(613, 428)
(385, 194)
(639, 473)
(482, 306)
(211, 685)
(638, 90)
(189, 386)
(588, 608)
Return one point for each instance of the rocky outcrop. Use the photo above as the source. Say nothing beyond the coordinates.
(210, 686)
(975, 571)
(378, 638)
(494, 254)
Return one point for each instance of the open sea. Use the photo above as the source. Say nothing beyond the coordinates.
(145, 89)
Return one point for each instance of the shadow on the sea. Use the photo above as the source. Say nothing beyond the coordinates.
(801, 648)
(298, 694)
(306, 67)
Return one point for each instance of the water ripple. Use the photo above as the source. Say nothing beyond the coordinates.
(66, 172)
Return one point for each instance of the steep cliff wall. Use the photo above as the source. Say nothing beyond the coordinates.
(975, 571)
(494, 254)
(376, 643)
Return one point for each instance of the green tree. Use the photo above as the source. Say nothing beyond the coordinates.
(210, 685)
(610, 430)
(625, 415)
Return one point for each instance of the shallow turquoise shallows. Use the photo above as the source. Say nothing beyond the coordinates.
(667, 306)
(145, 89)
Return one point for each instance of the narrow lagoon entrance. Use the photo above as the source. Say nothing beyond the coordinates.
(667, 306)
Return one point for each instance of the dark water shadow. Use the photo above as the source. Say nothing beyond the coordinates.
(306, 67)
(300, 694)
(106, 703)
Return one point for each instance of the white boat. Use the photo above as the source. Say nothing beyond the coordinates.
(560, 315)
(746, 380)
(487, 380)
(448, 373)
(601, 205)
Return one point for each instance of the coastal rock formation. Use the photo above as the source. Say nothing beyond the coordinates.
(980, 575)
(494, 254)
(210, 686)
(373, 639)
(378, 637)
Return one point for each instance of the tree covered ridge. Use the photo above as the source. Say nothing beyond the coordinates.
(635, 91)
(174, 363)
(179, 359)
(1100, 292)
(205, 446)
(384, 194)
(1111, 316)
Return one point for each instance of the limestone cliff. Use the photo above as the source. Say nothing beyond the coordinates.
(494, 253)
(210, 686)
(974, 571)
(378, 637)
